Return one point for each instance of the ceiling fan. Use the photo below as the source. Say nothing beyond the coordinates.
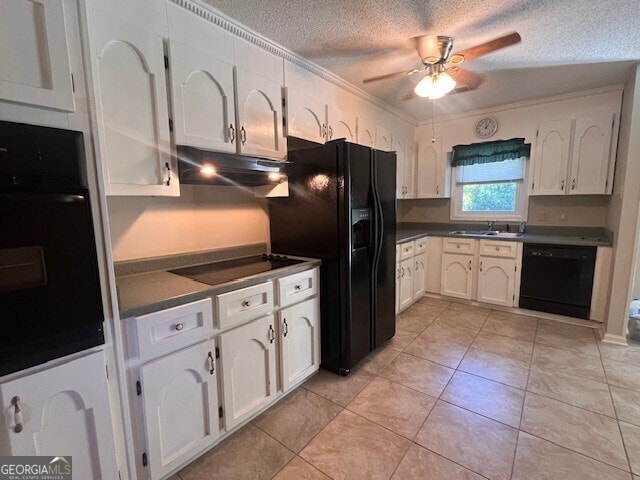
(442, 71)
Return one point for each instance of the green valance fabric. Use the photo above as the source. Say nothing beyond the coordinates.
(490, 152)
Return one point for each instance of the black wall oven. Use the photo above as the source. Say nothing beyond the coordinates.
(50, 300)
(558, 279)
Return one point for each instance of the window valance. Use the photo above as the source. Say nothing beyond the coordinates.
(490, 152)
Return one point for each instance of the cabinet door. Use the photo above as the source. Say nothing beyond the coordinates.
(248, 357)
(406, 283)
(457, 275)
(420, 275)
(259, 107)
(434, 265)
(430, 178)
(399, 147)
(366, 132)
(410, 171)
(551, 158)
(590, 156)
(203, 100)
(300, 334)
(342, 124)
(131, 107)
(180, 402)
(306, 117)
(398, 286)
(34, 65)
(496, 281)
(383, 139)
(65, 411)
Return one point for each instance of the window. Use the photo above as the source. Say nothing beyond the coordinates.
(490, 191)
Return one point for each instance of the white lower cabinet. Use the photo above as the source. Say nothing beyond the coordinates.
(496, 281)
(300, 342)
(64, 412)
(457, 275)
(248, 364)
(180, 404)
(406, 283)
(420, 275)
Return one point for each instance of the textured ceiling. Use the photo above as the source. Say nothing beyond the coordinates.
(567, 45)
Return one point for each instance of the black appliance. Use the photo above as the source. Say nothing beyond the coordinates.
(228, 270)
(342, 209)
(50, 298)
(202, 167)
(558, 279)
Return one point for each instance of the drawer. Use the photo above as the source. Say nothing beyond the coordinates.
(407, 250)
(239, 306)
(420, 245)
(169, 330)
(465, 246)
(297, 287)
(497, 248)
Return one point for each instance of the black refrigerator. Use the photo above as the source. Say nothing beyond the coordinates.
(342, 209)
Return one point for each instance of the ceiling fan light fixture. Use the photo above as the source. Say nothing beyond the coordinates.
(435, 86)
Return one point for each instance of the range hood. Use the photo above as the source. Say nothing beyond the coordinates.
(202, 167)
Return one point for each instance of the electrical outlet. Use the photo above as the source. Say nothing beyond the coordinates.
(564, 216)
(543, 217)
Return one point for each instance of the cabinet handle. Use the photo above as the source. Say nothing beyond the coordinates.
(409, 271)
(17, 414)
(232, 133)
(437, 190)
(243, 135)
(298, 287)
(399, 275)
(286, 327)
(497, 249)
(179, 326)
(168, 169)
(458, 245)
(562, 184)
(247, 303)
(573, 184)
(212, 363)
(470, 262)
(272, 334)
(330, 132)
(324, 131)
(422, 264)
(417, 266)
(480, 266)
(402, 276)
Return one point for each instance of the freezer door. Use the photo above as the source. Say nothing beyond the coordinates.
(383, 282)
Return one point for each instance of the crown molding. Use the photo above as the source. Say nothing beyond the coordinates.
(213, 15)
(526, 103)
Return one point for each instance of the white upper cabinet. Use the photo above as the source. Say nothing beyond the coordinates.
(306, 117)
(300, 334)
(366, 132)
(551, 158)
(201, 68)
(34, 64)
(405, 167)
(341, 124)
(64, 411)
(399, 147)
(180, 399)
(131, 108)
(433, 172)
(590, 155)
(383, 139)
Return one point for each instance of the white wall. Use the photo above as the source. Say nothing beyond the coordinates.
(202, 218)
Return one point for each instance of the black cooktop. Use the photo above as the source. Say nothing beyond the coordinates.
(221, 272)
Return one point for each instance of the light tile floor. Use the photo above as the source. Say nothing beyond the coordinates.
(461, 392)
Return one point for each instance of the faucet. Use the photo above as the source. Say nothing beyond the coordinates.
(490, 224)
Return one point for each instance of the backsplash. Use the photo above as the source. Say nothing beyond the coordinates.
(583, 211)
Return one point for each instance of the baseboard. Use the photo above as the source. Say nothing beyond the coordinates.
(614, 339)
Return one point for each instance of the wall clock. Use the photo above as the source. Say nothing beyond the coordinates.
(486, 127)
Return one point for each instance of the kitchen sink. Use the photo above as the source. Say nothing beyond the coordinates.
(496, 233)
(489, 233)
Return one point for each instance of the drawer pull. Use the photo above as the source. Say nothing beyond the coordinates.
(179, 326)
(286, 327)
(470, 265)
(298, 287)
(458, 245)
(212, 363)
(247, 303)
(272, 334)
(497, 249)
(17, 414)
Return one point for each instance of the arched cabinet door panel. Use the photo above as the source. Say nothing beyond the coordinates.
(590, 154)
(180, 402)
(203, 100)
(131, 108)
(496, 281)
(457, 275)
(259, 115)
(248, 362)
(383, 139)
(431, 178)
(342, 125)
(551, 158)
(306, 117)
(300, 334)
(65, 412)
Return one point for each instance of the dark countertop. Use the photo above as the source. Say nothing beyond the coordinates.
(150, 291)
(587, 236)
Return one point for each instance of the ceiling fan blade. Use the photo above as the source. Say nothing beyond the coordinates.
(485, 48)
(392, 75)
(465, 78)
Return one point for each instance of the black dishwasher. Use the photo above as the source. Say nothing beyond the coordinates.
(557, 279)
